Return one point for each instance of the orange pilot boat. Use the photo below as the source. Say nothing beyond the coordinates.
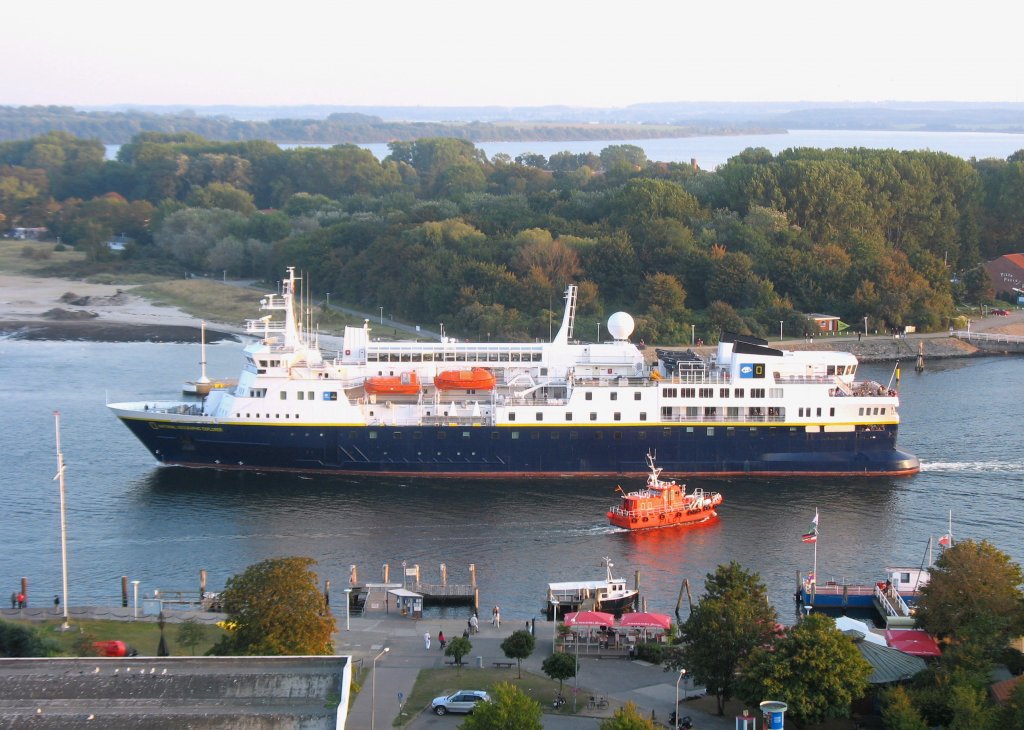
(663, 504)
(475, 379)
(404, 384)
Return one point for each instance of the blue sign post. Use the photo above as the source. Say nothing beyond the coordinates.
(773, 715)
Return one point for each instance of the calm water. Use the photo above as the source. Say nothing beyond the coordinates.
(127, 516)
(710, 152)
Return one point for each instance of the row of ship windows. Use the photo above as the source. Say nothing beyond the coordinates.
(595, 435)
(722, 392)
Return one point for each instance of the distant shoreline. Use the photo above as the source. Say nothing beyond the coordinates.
(101, 330)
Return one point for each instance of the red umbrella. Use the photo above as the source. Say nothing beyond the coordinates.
(646, 620)
(589, 618)
(913, 641)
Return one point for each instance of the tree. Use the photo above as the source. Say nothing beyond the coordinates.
(815, 669)
(509, 709)
(728, 622)
(23, 641)
(560, 666)
(991, 580)
(276, 608)
(190, 634)
(519, 646)
(899, 712)
(628, 717)
(458, 648)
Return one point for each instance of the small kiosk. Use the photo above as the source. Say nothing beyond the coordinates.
(405, 603)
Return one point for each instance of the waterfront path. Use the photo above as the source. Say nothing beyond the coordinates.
(648, 686)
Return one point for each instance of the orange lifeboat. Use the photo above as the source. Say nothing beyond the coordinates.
(475, 379)
(663, 504)
(404, 384)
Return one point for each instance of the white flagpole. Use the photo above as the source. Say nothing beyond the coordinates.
(63, 522)
(815, 546)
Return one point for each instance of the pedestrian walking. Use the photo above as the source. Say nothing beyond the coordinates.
(56, 604)
(497, 617)
(494, 615)
(426, 639)
(474, 624)
(441, 640)
(21, 600)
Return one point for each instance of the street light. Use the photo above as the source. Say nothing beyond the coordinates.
(135, 602)
(693, 335)
(373, 684)
(328, 300)
(554, 626)
(682, 673)
(381, 316)
(599, 332)
(348, 594)
(780, 330)
(865, 325)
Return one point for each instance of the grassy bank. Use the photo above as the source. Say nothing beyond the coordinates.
(144, 636)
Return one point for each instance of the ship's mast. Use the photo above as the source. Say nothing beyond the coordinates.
(568, 317)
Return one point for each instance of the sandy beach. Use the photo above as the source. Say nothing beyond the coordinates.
(60, 309)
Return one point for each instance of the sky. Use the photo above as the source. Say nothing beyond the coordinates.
(525, 53)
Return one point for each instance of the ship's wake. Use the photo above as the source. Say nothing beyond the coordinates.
(975, 467)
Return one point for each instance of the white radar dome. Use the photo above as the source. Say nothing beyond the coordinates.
(620, 326)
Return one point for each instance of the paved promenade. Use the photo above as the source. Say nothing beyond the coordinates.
(649, 687)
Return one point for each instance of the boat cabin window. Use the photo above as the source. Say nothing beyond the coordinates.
(284, 395)
(687, 392)
(723, 392)
(636, 395)
(738, 392)
(669, 393)
(330, 395)
(512, 415)
(614, 395)
(775, 392)
(539, 416)
(588, 396)
(593, 416)
(568, 416)
(616, 416)
(707, 392)
(301, 395)
(373, 435)
(757, 392)
(643, 416)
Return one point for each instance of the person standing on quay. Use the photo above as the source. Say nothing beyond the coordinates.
(440, 639)
(474, 624)
(56, 604)
(426, 639)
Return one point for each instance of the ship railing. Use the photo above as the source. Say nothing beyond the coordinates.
(804, 379)
(432, 421)
(614, 381)
(777, 415)
(176, 409)
(697, 378)
(871, 389)
(987, 336)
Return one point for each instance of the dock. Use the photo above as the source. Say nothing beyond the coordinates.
(412, 594)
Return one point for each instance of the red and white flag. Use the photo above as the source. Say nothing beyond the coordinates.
(946, 540)
(812, 534)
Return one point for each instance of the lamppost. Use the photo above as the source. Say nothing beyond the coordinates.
(693, 335)
(554, 625)
(780, 330)
(865, 325)
(328, 300)
(599, 332)
(135, 600)
(381, 316)
(373, 684)
(348, 598)
(442, 332)
(675, 723)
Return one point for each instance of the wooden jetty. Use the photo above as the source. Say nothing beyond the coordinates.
(412, 593)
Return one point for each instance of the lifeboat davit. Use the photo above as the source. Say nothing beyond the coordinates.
(475, 379)
(404, 384)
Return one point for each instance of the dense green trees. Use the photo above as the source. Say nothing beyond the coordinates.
(509, 709)
(730, 620)
(488, 246)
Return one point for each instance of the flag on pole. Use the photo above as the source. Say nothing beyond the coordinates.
(946, 540)
(812, 534)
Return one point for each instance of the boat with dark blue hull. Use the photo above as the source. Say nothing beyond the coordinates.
(556, 409)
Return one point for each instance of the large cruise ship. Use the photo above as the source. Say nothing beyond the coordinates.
(547, 409)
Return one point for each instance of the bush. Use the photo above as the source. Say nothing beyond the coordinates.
(650, 652)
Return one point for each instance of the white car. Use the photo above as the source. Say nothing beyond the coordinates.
(462, 701)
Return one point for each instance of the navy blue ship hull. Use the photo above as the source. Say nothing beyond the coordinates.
(525, 451)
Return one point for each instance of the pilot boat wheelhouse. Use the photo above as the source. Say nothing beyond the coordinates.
(553, 409)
